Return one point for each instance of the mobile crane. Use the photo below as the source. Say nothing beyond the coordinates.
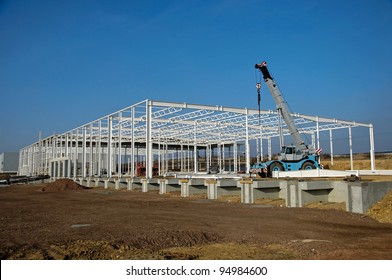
(295, 157)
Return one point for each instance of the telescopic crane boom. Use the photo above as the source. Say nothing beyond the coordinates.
(296, 157)
(281, 106)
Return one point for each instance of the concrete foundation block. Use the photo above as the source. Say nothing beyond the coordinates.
(162, 186)
(117, 184)
(246, 190)
(354, 198)
(149, 184)
(144, 185)
(184, 187)
(293, 198)
(212, 188)
(129, 184)
(362, 195)
(106, 183)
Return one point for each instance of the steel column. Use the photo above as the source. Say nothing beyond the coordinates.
(351, 147)
(149, 157)
(372, 155)
(331, 145)
(133, 142)
(84, 152)
(247, 150)
(109, 148)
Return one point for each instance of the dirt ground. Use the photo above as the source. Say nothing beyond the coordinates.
(63, 220)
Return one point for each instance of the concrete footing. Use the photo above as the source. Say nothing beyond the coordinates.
(150, 184)
(362, 195)
(358, 196)
(224, 187)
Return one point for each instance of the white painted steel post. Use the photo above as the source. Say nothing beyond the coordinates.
(195, 148)
(109, 147)
(188, 157)
(148, 140)
(229, 156)
(281, 137)
(76, 155)
(66, 144)
(90, 158)
(351, 147)
(167, 158)
(54, 147)
(220, 155)
(67, 171)
(159, 153)
(223, 157)
(318, 132)
(32, 155)
(119, 162)
(40, 152)
(84, 152)
(235, 158)
(261, 150)
(46, 157)
(182, 158)
(133, 142)
(30, 160)
(247, 150)
(239, 157)
(331, 145)
(99, 150)
(61, 147)
(372, 155)
(269, 148)
(210, 155)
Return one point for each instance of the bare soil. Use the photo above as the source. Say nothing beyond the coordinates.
(63, 220)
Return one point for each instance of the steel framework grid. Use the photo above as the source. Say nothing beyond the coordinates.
(152, 128)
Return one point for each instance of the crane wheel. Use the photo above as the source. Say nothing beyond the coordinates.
(308, 166)
(275, 166)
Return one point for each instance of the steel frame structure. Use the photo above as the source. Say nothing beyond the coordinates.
(154, 134)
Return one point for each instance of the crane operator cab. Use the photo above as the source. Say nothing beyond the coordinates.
(290, 153)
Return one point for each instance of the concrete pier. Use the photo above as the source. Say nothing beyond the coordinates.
(184, 187)
(150, 184)
(362, 195)
(169, 185)
(217, 188)
(358, 196)
(252, 190)
(192, 186)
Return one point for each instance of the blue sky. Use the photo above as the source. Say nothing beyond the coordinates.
(65, 63)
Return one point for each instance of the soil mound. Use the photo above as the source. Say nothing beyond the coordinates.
(382, 210)
(167, 239)
(62, 185)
